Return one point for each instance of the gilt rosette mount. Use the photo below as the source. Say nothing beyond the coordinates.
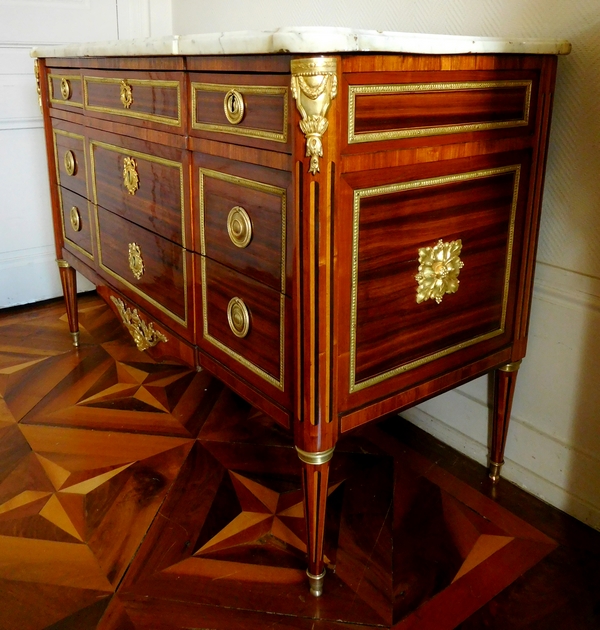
(314, 86)
(439, 267)
(143, 334)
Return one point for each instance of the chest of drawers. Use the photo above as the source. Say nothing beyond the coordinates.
(335, 236)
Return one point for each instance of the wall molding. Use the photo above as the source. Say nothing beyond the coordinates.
(513, 471)
(14, 124)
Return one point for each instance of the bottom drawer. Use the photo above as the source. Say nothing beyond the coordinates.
(244, 327)
(148, 269)
(76, 223)
(160, 342)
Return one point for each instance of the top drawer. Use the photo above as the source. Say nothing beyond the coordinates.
(248, 109)
(148, 99)
(65, 89)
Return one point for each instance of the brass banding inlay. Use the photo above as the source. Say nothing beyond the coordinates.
(234, 107)
(70, 163)
(315, 459)
(511, 367)
(75, 218)
(239, 227)
(355, 137)
(238, 317)
(248, 90)
(411, 185)
(136, 262)
(65, 89)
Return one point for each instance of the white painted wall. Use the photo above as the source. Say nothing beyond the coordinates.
(28, 271)
(554, 444)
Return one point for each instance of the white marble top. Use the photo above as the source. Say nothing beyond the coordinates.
(311, 40)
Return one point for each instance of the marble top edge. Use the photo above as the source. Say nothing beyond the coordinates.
(305, 40)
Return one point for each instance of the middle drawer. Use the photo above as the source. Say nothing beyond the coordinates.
(143, 182)
(150, 270)
(241, 210)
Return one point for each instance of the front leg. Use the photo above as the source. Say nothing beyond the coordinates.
(505, 380)
(68, 280)
(315, 477)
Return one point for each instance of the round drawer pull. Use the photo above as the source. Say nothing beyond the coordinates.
(239, 227)
(126, 94)
(238, 317)
(234, 107)
(70, 163)
(75, 219)
(65, 89)
(136, 263)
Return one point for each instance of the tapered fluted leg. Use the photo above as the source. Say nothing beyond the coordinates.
(504, 389)
(315, 477)
(69, 286)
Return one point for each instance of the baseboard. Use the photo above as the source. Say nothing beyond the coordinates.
(580, 470)
(30, 276)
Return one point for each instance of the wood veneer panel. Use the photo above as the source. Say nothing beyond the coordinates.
(169, 63)
(158, 98)
(265, 195)
(264, 345)
(164, 285)
(160, 201)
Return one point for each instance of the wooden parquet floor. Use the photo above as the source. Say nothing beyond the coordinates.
(142, 495)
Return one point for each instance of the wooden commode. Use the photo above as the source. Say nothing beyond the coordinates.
(337, 224)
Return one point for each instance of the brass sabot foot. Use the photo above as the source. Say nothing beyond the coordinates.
(495, 471)
(75, 336)
(316, 583)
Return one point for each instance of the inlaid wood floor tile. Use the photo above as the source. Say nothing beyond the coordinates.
(137, 495)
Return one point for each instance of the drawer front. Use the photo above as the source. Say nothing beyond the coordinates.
(148, 99)
(69, 153)
(243, 218)
(145, 188)
(65, 88)
(413, 105)
(243, 109)
(243, 324)
(76, 219)
(147, 268)
(433, 267)
(147, 333)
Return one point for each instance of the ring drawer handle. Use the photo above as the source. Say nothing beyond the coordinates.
(126, 94)
(75, 218)
(234, 107)
(70, 163)
(136, 262)
(439, 267)
(239, 227)
(238, 317)
(65, 89)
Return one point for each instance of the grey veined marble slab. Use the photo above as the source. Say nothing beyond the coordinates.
(311, 40)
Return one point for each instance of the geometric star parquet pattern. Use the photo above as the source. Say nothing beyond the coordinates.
(136, 494)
